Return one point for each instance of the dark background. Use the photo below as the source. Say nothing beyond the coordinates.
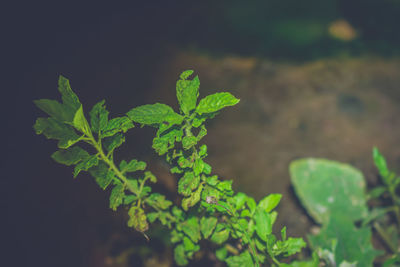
(114, 51)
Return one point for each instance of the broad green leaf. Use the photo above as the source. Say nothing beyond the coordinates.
(328, 187)
(225, 185)
(154, 114)
(112, 142)
(133, 185)
(207, 168)
(212, 180)
(80, 123)
(57, 110)
(352, 244)
(117, 196)
(159, 201)
(207, 225)
(191, 228)
(187, 92)
(203, 151)
(239, 200)
(251, 203)
(128, 199)
(132, 166)
(216, 102)
(380, 163)
(188, 183)
(119, 124)
(188, 142)
(179, 255)
(53, 129)
(198, 167)
(152, 216)
(244, 259)
(192, 200)
(263, 223)
(374, 214)
(270, 202)
(138, 219)
(85, 164)
(221, 253)
(220, 235)
(68, 97)
(70, 156)
(202, 133)
(102, 174)
(98, 117)
(188, 244)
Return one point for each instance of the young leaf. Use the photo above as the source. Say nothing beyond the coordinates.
(269, 202)
(117, 196)
(192, 200)
(207, 225)
(191, 228)
(154, 114)
(380, 163)
(138, 219)
(54, 129)
(85, 164)
(215, 102)
(244, 259)
(70, 156)
(187, 92)
(98, 117)
(263, 223)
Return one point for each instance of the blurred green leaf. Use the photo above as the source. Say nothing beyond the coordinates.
(220, 235)
(270, 202)
(191, 228)
(263, 223)
(207, 225)
(138, 219)
(102, 174)
(70, 156)
(159, 201)
(179, 255)
(244, 259)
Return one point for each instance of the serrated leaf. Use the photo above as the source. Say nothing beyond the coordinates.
(207, 225)
(98, 117)
(191, 228)
(192, 200)
(220, 235)
(187, 92)
(70, 156)
(159, 201)
(216, 102)
(154, 114)
(119, 124)
(85, 164)
(117, 196)
(270, 202)
(179, 255)
(188, 183)
(244, 259)
(138, 219)
(198, 167)
(263, 223)
(112, 142)
(328, 187)
(132, 166)
(102, 174)
(54, 129)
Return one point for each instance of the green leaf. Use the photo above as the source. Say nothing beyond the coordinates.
(288, 247)
(207, 225)
(380, 163)
(314, 262)
(185, 74)
(225, 185)
(138, 219)
(376, 192)
(270, 202)
(239, 200)
(202, 133)
(112, 142)
(158, 201)
(179, 255)
(80, 123)
(117, 196)
(263, 223)
(102, 174)
(188, 142)
(220, 235)
(191, 228)
(166, 141)
(192, 200)
(85, 164)
(198, 167)
(328, 187)
(132, 166)
(221, 253)
(203, 151)
(119, 124)
(215, 102)
(68, 97)
(187, 92)
(188, 183)
(154, 114)
(98, 117)
(70, 156)
(244, 259)
(53, 129)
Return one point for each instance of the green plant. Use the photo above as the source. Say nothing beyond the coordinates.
(240, 227)
(334, 196)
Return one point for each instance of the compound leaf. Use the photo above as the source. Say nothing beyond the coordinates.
(132, 166)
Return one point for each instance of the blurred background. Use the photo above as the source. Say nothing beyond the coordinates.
(315, 79)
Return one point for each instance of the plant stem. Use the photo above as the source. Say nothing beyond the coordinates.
(384, 237)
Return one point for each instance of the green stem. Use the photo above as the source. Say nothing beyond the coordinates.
(384, 237)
